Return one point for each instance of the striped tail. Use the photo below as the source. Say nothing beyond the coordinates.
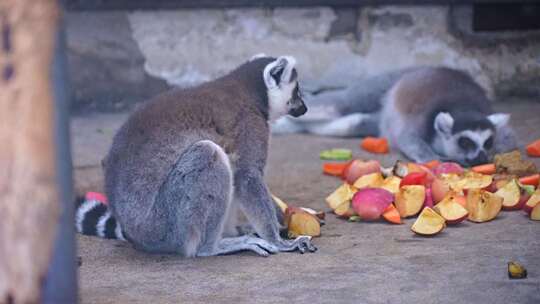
(92, 217)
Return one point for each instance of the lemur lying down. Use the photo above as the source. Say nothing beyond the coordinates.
(185, 162)
(427, 113)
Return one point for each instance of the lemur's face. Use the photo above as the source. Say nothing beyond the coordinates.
(469, 142)
(284, 95)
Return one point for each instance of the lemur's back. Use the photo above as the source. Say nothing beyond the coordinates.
(416, 98)
(155, 136)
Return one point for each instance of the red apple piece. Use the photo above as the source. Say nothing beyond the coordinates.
(428, 223)
(447, 168)
(439, 189)
(370, 203)
(410, 199)
(358, 168)
(428, 202)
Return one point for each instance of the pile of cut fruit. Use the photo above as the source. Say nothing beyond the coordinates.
(441, 193)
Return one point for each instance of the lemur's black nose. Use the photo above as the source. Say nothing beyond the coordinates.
(298, 111)
(480, 159)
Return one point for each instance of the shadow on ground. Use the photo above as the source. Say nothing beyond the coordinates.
(356, 262)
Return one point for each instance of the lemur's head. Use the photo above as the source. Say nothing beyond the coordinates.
(281, 81)
(468, 138)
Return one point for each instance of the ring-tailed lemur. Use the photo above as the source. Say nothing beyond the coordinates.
(185, 162)
(427, 113)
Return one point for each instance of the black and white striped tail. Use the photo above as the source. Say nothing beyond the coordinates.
(92, 217)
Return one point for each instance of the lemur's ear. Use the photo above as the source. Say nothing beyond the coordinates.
(499, 119)
(443, 123)
(279, 71)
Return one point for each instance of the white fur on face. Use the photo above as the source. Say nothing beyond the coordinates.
(278, 99)
(453, 150)
(279, 94)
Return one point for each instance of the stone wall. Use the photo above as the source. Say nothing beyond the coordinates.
(134, 53)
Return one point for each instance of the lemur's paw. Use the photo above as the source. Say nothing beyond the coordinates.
(301, 243)
(265, 245)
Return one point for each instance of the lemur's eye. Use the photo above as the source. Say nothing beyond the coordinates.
(466, 143)
(489, 143)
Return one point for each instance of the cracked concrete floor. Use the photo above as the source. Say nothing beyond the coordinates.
(356, 262)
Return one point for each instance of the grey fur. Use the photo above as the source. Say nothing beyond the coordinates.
(186, 160)
(402, 106)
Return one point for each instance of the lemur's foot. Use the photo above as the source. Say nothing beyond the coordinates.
(301, 243)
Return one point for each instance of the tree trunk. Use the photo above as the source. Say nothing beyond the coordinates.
(29, 199)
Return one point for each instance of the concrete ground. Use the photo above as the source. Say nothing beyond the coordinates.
(356, 262)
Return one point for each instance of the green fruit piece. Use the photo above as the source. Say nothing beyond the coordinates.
(336, 154)
(528, 188)
(354, 218)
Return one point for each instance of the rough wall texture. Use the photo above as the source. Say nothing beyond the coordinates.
(334, 47)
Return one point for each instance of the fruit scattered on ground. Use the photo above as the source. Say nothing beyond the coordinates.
(533, 149)
(336, 154)
(483, 206)
(516, 271)
(299, 220)
(377, 145)
(370, 203)
(428, 223)
(512, 163)
(434, 191)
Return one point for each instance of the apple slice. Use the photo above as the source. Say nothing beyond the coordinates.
(370, 203)
(452, 211)
(469, 180)
(280, 203)
(344, 210)
(372, 180)
(391, 184)
(482, 205)
(410, 199)
(511, 195)
(535, 214)
(342, 194)
(532, 202)
(358, 168)
(439, 189)
(300, 222)
(428, 223)
(428, 201)
(448, 167)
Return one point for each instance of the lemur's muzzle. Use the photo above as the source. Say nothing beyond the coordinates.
(298, 110)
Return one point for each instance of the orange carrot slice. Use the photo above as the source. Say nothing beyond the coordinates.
(391, 214)
(487, 169)
(375, 145)
(335, 169)
(533, 149)
(432, 164)
(532, 180)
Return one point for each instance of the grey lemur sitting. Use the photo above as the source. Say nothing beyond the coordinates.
(426, 112)
(186, 161)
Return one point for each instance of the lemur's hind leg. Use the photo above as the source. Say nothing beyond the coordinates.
(352, 125)
(193, 205)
